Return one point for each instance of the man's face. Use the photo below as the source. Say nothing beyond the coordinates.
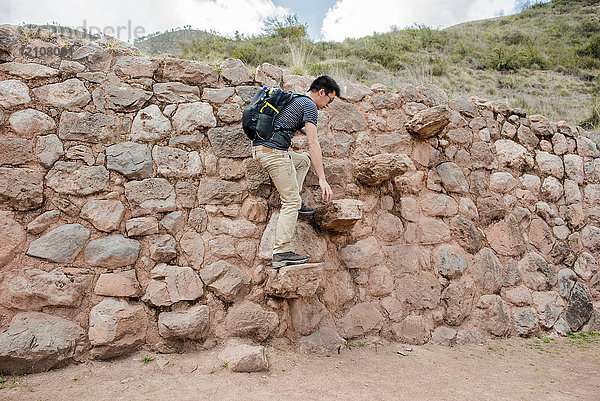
(324, 99)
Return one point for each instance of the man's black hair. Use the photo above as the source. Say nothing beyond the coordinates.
(325, 82)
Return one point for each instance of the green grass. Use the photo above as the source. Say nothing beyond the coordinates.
(147, 359)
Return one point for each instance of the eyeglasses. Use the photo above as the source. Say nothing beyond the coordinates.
(330, 98)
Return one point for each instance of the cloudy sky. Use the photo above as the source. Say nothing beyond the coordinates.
(327, 19)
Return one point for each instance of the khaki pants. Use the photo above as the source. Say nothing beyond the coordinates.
(287, 170)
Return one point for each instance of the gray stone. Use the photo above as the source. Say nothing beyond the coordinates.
(150, 196)
(105, 215)
(482, 156)
(28, 71)
(72, 178)
(449, 260)
(510, 154)
(192, 116)
(163, 248)
(176, 92)
(191, 245)
(526, 321)
(135, 67)
(214, 191)
(235, 72)
(112, 251)
(21, 188)
(33, 289)
(438, 205)
(345, 117)
(69, 94)
(12, 237)
(171, 284)
(131, 159)
(230, 142)
(116, 327)
(536, 273)
(432, 231)
(173, 222)
(585, 266)
(89, 127)
(294, 281)
(124, 98)
(140, 226)
(221, 95)
(412, 330)
(487, 271)
(364, 254)
(247, 319)
(374, 170)
(467, 234)
(176, 163)
(150, 125)
(119, 284)
(93, 56)
(225, 280)
(244, 358)
(429, 122)
(459, 300)
(580, 307)
(13, 93)
(590, 236)
(518, 296)
(36, 342)
(444, 336)
(586, 147)
(269, 75)
(549, 307)
(189, 324)
(325, 340)
(190, 72)
(31, 123)
(42, 222)
(186, 194)
(452, 178)
(493, 315)
(419, 291)
(61, 245)
(566, 281)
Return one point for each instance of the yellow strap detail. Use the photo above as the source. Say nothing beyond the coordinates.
(270, 105)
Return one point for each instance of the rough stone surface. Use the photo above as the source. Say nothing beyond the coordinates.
(120, 284)
(294, 281)
(112, 251)
(190, 72)
(549, 306)
(131, 159)
(116, 327)
(140, 226)
(72, 178)
(526, 321)
(69, 94)
(412, 330)
(449, 260)
(459, 300)
(247, 319)
(29, 123)
(192, 116)
(225, 280)
(339, 215)
(36, 342)
(105, 215)
(163, 248)
(452, 177)
(176, 163)
(150, 125)
(376, 169)
(244, 358)
(171, 284)
(189, 324)
(21, 188)
(61, 245)
(48, 149)
(493, 315)
(13, 93)
(505, 237)
(12, 237)
(89, 127)
(429, 122)
(537, 274)
(176, 92)
(580, 307)
(124, 98)
(444, 336)
(150, 196)
(325, 340)
(487, 271)
(229, 142)
(361, 319)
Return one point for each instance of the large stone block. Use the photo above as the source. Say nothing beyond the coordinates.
(72, 178)
(247, 319)
(135, 67)
(176, 163)
(244, 358)
(117, 327)
(452, 177)
(459, 300)
(536, 273)
(549, 306)
(33, 289)
(374, 170)
(294, 281)
(580, 307)
(31, 123)
(412, 330)
(189, 324)
(36, 342)
(105, 215)
(176, 92)
(493, 315)
(15, 151)
(61, 245)
(217, 192)
(193, 116)
(21, 188)
(190, 72)
(112, 251)
(230, 142)
(225, 280)
(487, 271)
(467, 234)
(429, 122)
(28, 70)
(419, 291)
(69, 94)
(438, 205)
(268, 74)
(325, 340)
(120, 284)
(449, 260)
(364, 254)
(150, 196)
(13, 93)
(510, 154)
(345, 117)
(171, 284)
(339, 215)
(124, 98)
(235, 72)
(131, 159)
(505, 237)
(150, 125)
(432, 231)
(12, 237)
(361, 319)
(89, 127)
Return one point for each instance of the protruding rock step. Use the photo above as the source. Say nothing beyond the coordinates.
(339, 215)
(295, 281)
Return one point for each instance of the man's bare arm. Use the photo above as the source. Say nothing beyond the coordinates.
(316, 157)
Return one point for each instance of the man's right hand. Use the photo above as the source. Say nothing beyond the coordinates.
(326, 192)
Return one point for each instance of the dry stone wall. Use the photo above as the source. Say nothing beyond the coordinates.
(132, 215)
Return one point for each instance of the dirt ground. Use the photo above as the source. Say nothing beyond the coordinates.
(509, 369)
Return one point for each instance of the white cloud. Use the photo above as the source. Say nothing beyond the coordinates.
(223, 16)
(357, 18)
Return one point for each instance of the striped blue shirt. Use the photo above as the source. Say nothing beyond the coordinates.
(292, 118)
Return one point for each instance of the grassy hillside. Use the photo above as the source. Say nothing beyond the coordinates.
(545, 59)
